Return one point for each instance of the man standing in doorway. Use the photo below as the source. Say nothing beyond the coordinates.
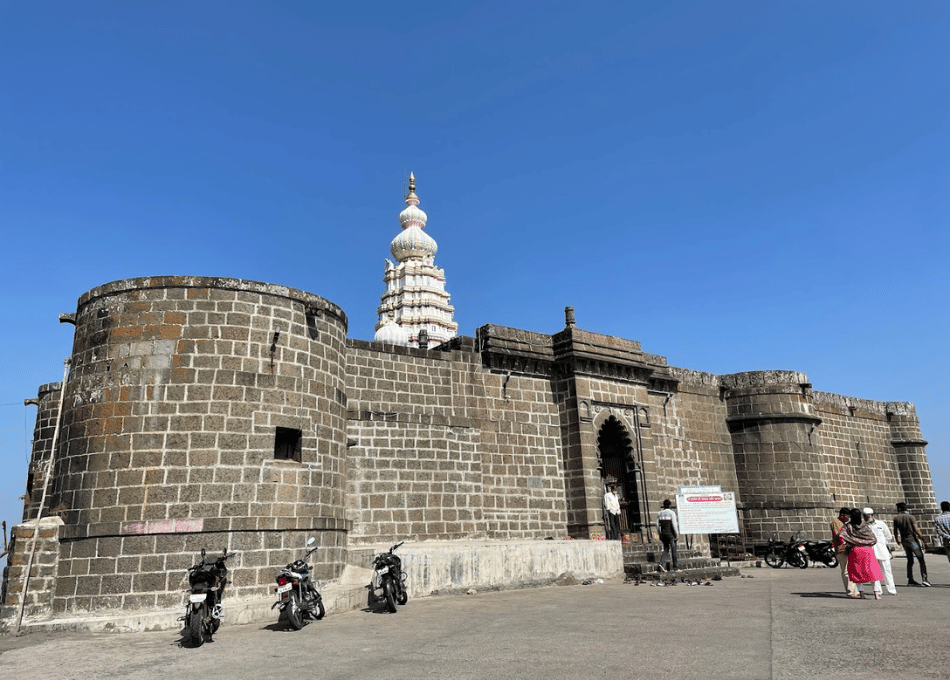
(612, 513)
(668, 529)
(910, 538)
(841, 550)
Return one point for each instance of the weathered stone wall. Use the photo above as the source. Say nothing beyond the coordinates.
(41, 552)
(441, 448)
(692, 439)
(47, 410)
(875, 456)
(178, 386)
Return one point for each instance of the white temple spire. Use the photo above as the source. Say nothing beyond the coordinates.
(415, 288)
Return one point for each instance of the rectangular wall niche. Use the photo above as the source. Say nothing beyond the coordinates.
(287, 444)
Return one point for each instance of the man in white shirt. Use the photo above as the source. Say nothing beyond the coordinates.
(668, 529)
(881, 551)
(612, 513)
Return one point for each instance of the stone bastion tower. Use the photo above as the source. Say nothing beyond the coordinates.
(199, 413)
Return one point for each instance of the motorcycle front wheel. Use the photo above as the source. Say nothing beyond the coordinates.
(773, 559)
(388, 594)
(196, 626)
(294, 614)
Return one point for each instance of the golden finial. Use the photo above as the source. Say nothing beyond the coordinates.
(411, 198)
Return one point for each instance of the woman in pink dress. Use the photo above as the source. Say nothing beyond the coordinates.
(862, 563)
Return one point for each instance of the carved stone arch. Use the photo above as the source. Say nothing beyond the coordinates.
(619, 460)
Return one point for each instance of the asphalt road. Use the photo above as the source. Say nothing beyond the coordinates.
(779, 624)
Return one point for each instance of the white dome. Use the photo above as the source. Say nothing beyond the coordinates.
(413, 215)
(413, 242)
(392, 333)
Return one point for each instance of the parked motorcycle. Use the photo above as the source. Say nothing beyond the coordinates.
(821, 552)
(298, 594)
(389, 579)
(793, 552)
(206, 582)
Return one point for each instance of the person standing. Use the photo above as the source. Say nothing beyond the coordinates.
(841, 550)
(910, 538)
(943, 526)
(612, 513)
(862, 564)
(669, 531)
(882, 551)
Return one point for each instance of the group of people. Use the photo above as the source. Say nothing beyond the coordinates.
(666, 527)
(862, 545)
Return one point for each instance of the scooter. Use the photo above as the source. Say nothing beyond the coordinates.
(203, 613)
(298, 595)
(793, 552)
(821, 552)
(389, 579)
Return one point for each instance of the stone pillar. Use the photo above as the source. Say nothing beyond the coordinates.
(42, 582)
(780, 470)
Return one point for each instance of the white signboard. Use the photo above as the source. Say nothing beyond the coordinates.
(707, 513)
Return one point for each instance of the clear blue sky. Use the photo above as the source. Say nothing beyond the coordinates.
(737, 185)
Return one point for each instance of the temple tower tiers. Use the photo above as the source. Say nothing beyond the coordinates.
(415, 299)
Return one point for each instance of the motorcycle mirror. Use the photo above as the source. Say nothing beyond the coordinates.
(311, 540)
(202, 553)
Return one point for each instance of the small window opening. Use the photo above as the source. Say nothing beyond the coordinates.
(287, 444)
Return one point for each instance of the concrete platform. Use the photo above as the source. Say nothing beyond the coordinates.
(432, 568)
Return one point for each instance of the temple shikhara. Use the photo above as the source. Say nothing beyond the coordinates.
(415, 301)
(228, 413)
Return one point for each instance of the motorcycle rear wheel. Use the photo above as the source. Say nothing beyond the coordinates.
(294, 613)
(830, 560)
(388, 594)
(798, 559)
(196, 626)
(402, 597)
(774, 559)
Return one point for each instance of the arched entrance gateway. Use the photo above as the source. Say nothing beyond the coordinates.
(619, 463)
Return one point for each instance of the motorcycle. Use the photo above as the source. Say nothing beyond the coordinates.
(206, 582)
(389, 579)
(793, 552)
(821, 551)
(298, 594)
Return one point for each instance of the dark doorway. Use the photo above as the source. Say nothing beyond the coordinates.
(618, 463)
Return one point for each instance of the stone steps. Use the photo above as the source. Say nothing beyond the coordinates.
(640, 562)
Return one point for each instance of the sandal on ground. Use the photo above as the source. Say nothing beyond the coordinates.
(855, 596)
(877, 596)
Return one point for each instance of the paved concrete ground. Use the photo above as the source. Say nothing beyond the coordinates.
(779, 624)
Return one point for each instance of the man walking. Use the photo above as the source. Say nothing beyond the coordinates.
(943, 526)
(669, 530)
(841, 550)
(910, 538)
(882, 551)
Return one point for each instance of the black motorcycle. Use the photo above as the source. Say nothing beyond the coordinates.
(793, 553)
(206, 582)
(389, 579)
(821, 552)
(297, 592)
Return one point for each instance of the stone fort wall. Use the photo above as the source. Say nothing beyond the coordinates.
(221, 413)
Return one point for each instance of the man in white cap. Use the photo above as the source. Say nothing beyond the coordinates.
(882, 551)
